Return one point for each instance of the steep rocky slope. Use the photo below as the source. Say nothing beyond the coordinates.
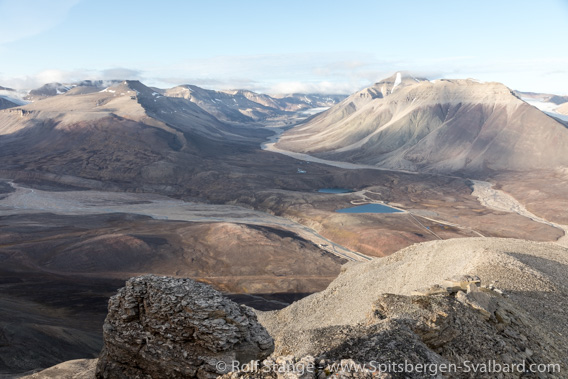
(529, 273)
(442, 126)
(6, 103)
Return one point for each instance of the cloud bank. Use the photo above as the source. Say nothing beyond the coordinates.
(62, 76)
(314, 73)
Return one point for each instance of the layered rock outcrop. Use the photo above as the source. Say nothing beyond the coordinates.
(462, 332)
(161, 327)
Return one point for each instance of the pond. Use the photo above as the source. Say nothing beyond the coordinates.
(369, 208)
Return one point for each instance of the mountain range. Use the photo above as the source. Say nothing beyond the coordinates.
(233, 106)
(84, 167)
(247, 106)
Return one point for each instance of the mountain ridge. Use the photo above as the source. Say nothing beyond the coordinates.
(239, 106)
(447, 125)
(245, 106)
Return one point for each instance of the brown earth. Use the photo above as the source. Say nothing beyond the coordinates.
(438, 208)
(57, 273)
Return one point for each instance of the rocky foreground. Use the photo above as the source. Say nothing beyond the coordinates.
(458, 308)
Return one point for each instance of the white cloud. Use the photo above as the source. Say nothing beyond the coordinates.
(316, 73)
(536, 75)
(116, 73)
(205, 82)
(323, 87)
(271, 73)
(26, 18)
(62, 76)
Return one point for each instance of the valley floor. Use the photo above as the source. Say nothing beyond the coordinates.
(65, 250)
(487, 196)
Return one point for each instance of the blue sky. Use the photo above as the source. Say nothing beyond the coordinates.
(284, 46)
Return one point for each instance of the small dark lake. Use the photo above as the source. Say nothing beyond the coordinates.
(369, 208)
(334, 190)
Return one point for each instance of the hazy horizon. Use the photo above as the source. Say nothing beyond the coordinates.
(274, 47)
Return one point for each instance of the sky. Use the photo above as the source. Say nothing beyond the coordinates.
(288, 46)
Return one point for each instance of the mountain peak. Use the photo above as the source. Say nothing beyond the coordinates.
(129, 86)
(398, 79)
(444, 125)
(387, 86)
(47, 90)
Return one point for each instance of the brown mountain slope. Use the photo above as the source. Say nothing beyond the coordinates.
(231, 106)
(440, 126)
(57, 273)
(5, 103)
(126, 133)
(563, 109)
(129, 100)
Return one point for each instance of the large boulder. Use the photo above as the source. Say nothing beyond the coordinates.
(177, 328)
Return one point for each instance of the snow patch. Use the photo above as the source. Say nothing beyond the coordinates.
(313, 111)
(397, 81)
(544, 106)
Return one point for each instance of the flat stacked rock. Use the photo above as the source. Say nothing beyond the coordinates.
(162, 327)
